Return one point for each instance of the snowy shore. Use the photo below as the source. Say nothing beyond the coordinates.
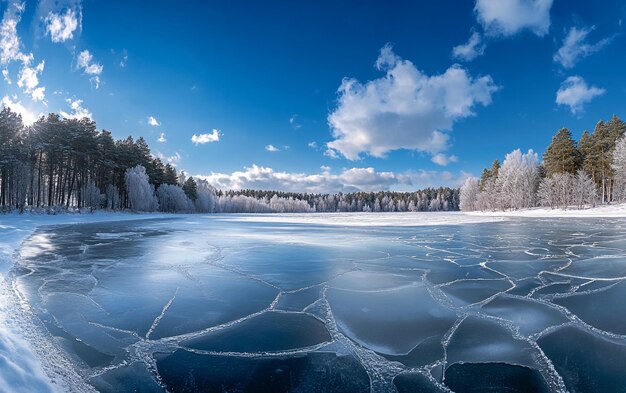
(604, 211)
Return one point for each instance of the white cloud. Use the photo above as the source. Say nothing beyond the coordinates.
(29, 81)
(162, 138)
(28, 116)
(443, 160)
(61, 27)
(293, 120)
(153, 121)
(175, 159)
(312, 145)
(201, 139)
(90, 67)
(348, 180)
(271, 148)
(78, 111)
(10, 51)
(259, 177)
(470, 50)
(575, 93)
(576, 48)
(508, 17)
(405, 109)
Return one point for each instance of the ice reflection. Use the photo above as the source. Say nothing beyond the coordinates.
(206, 304)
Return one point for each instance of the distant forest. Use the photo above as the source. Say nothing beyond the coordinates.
(59, 164)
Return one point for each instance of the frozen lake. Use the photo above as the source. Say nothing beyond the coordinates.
(255, 304)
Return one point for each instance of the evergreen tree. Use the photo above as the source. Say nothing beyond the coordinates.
(191, 189)
(562, 156)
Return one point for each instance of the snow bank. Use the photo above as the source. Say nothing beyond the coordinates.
(604, 211)
(28, 360)
(404, 219)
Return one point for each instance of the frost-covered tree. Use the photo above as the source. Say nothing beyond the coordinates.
(584, 191)
(140, 192)
(93, 198)
(469, 194)
(205, 202)
(172, 199)
(518, 179)
(619, 168)
(556, 191)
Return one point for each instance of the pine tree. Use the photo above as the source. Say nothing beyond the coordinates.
(562, 156)
(191, 189)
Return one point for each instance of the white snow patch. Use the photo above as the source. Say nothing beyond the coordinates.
(404, 219)
(604, 211)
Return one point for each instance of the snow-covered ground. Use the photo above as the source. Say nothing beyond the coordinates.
(616, 210)
(364, 219)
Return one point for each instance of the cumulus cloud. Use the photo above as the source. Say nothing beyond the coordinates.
(153, 121)
(271, 148)
(575, 47)
(28, 116)
(312, 145)
(78, 111)
(404, 109)
(508, 17)
(575, 93)
(162, 138)
(201, 139)
(264, 178)
(91, 68)
(11, 51)
(61, 27)
(473, 48)
(29, 81)
(173, 160)
(348, 180)
(443, 160)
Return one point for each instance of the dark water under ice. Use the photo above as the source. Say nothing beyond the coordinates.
(213, 305)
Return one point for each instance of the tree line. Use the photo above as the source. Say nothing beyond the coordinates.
(572, 174)
(60, 164)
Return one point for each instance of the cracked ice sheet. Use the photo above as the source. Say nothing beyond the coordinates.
(168, 276)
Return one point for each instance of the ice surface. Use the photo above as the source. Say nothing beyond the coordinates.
(392, 321)
(184, 371)
(317, 303)
(587, 362)
(268, 332)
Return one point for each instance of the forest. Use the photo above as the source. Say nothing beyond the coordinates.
(59, 164)
(573, 173)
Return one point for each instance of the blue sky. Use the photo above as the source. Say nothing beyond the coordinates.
(320, 96)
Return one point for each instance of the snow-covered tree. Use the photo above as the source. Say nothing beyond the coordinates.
(93, 198)
(469, 194)
(140, 192)
(518, 179)
(173, 199)
(205, 201)
(584, 191)
(619, 168)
